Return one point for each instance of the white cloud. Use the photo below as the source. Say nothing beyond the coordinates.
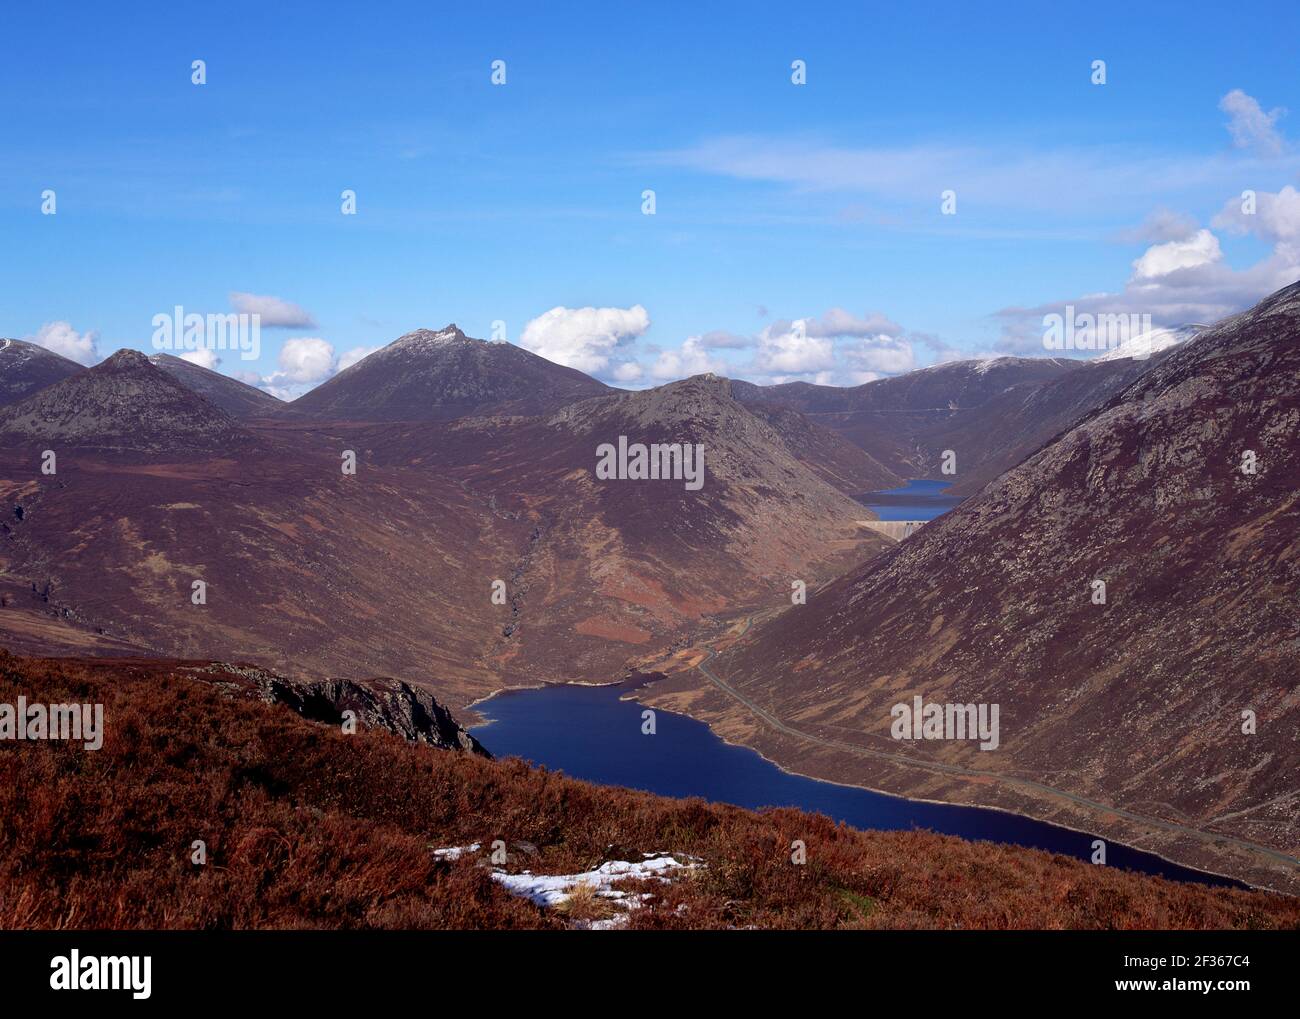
(628, 371)
(304, 362)
(1180, 282)
(1250, 127)
(789, 349)
(350, 357)
(690, 359)
(1201, 248)
(880, 355)
(584, 338)
(274, 311)
(61, 338)
(838, 322)
(1276, 217)
(204, 357)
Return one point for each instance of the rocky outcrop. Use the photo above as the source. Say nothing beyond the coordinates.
(387, 704)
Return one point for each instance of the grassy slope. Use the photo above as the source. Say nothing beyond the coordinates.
(307, 827)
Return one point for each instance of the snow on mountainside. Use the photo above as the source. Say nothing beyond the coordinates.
(1153, 342)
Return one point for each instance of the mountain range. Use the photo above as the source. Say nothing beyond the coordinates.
(432, 516)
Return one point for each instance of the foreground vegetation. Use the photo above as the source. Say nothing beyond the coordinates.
(305, 826)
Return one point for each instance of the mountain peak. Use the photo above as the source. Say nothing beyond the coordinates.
(442, 374)
(26, 368)
(429, 338)
(124, 403)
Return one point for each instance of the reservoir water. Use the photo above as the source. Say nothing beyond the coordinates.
(592, 733)
(917, 500)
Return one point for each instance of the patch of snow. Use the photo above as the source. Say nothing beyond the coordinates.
(1151, 342)
(551, 890)
(456, 852)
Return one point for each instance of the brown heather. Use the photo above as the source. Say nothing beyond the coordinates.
(307, 827)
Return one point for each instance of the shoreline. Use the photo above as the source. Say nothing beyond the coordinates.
(630, 695)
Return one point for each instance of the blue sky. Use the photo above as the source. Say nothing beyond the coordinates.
(521, 203)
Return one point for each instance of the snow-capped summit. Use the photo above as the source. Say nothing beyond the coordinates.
(1152, 342)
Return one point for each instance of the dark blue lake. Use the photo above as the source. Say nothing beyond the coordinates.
(588, 732)
(917, 500)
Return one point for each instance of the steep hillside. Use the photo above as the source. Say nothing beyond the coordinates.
(26, 368)
(238, 399)
(894, 419)
(622, 567)
(304, 826)
(394, 570)
(1131, 710)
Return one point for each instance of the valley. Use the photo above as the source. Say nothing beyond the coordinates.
(477, 548)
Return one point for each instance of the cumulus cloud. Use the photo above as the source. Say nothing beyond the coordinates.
(1181, 282)
(1250, 126)
(350, 357)
(692, 358)
(838, 322)
(628, 371)
(788, 348)
(1276, 218)
(274, 312)
(878, 355)
(61, 338)
(1201, 248)
(584, 338)
(304, 362)
(204, 357)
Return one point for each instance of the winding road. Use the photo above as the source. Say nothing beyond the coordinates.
(954, 769)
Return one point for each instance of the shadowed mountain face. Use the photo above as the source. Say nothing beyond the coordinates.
(998, 434)
(1137, 701)
(238, 399)
(390, 571)
(438, 376)
(891, 419)
(619, 568)
(26, 368)
(989, 414)
(124, 404)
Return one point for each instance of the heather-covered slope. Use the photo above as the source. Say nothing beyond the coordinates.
(436, 376)
(1136, 703)
(620, 568)
(304, 826)
(392, 571)
(990, 414)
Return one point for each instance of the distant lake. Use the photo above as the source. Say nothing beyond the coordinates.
(590, 733)
(917, 500)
